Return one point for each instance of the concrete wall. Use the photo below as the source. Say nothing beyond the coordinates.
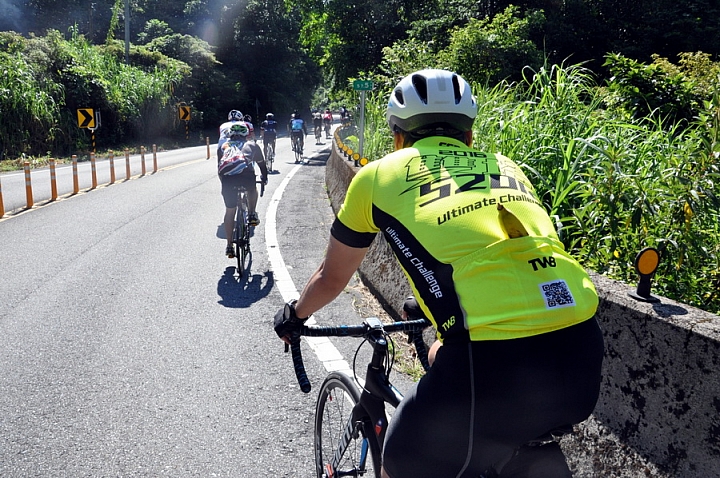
(659, 407)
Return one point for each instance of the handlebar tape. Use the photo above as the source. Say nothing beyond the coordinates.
(299, 366)
(417, 340)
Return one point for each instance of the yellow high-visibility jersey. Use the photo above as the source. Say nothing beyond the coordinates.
(481, 253)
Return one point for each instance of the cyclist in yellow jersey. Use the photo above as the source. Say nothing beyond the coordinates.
(522, 353)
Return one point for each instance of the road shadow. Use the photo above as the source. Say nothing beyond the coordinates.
(320, 158)
(241, 292)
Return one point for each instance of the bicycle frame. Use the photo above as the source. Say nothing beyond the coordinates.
(369, 413)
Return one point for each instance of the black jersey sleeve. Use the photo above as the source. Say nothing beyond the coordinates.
(349, 237)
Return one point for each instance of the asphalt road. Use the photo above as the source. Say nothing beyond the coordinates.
(128, 345)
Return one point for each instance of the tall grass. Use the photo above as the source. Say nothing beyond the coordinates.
(614, 185)
(28, 105)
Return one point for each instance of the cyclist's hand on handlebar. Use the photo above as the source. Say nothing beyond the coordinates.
(287, 322)
(411, 309)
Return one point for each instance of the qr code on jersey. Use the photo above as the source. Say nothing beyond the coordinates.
(557, 294)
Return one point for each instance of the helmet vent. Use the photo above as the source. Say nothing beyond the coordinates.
(420, 84)
(456, 89)
(399, 96)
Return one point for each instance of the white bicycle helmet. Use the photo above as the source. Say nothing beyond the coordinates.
(431, 97)
(235, 115)
(239, 130)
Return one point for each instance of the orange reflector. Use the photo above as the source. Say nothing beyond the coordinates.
(647, 261)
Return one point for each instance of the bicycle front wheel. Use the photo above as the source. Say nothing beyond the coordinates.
(242, 236)
(342, 447)
(270, 156)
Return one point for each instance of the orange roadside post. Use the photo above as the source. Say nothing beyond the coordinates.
(127, 164)
(28, 185)
(93, 170)
(142, 159)
(53, 181)
(207, 142)
(154, 158)
(76, 185)
(2, 205)
(112, 167)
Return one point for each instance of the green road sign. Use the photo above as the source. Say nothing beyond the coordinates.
(362, 85)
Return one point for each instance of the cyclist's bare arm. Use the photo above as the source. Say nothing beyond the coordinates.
(330, 278)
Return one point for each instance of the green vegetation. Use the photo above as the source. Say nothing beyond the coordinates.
(47, 79)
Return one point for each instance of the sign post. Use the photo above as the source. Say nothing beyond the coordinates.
(90, 119)
(362, 86)
(184, 115)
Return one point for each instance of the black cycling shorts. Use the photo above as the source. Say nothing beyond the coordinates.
(230, 185)
(480, 401)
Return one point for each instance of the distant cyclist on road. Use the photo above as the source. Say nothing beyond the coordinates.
(521, 351)
(251, 127)
(235, 169)
(317, 125)
(298, 129)
(327, 122)
(268, 130)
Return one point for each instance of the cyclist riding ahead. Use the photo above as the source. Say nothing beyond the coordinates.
(298, 129)
(234, 117)
(268, 130)
(317, 126)
(236, 159)
(327, 122)
(519, 352)
(251, 127)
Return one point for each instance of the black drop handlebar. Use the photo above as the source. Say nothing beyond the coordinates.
(371, 326)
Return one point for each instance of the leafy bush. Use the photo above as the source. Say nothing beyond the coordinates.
(661, 89)
(489, 51)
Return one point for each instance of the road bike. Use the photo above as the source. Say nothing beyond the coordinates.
(297, 148)
(241, 232)
(327, 130)
(350, 418)
(318, 134)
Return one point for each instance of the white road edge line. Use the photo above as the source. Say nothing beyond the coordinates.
(325, 351)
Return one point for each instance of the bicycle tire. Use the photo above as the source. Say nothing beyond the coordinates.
(270, 156)
(242, 236)
(336, 401)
